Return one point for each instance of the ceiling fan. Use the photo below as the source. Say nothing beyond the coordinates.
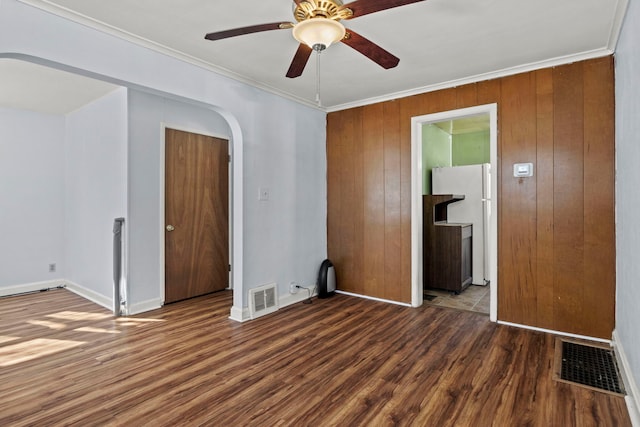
(318, 25)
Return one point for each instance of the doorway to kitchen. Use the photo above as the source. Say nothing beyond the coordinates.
(457, 172)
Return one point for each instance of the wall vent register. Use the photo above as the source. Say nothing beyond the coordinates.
(263, 300)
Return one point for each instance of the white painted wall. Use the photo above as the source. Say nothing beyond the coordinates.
(276, 231)
(627, 184)
(286, 236)
(31, 195)
(147, 114)
(283, 142)
(95, 191)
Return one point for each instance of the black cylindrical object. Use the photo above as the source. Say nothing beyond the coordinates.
(326, 279)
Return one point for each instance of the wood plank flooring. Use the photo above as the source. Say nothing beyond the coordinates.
(342, 361)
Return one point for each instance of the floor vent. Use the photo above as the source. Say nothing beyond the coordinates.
(263, 300)
(588, 365)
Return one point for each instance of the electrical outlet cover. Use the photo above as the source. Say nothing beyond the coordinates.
(293, 289)
(263, 194)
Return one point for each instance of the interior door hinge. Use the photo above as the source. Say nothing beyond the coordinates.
(229, 267)
(229, 157)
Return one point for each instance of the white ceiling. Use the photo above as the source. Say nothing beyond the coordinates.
(41, 89)
(440, 43)
(465, 125)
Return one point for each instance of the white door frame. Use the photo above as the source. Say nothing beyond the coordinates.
(416, 198)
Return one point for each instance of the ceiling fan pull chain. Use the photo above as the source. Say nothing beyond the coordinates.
(318, 77)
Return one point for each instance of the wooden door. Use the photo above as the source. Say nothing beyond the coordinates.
(196, 215)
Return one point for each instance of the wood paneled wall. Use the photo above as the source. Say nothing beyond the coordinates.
(556, 236)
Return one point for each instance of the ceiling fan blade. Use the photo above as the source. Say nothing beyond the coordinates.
(299, 61)
(371, 50)
(248, 30)
(361, 7)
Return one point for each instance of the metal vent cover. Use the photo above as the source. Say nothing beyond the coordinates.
(588, 365)
(263, 300)
(258, 301)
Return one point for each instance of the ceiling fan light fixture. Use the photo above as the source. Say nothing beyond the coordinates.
(318, 33)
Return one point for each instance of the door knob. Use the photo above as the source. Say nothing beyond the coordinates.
(170, 227)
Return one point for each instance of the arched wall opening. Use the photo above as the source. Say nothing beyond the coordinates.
(143, 300)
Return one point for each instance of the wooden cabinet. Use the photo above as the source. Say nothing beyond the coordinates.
(446, 246)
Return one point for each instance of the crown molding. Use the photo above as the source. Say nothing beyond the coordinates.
(616, 26)
(598, 53)
(71, 15)
(103, 27)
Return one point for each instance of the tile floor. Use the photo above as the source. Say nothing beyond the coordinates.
(474, 298)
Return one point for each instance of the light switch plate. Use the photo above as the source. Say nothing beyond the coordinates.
(263, 194)
(523, 170)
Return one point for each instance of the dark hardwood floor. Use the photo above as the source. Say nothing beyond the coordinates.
(341, 361)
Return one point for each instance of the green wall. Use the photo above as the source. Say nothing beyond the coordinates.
(470, 148)
(436, 152)
(440, 149)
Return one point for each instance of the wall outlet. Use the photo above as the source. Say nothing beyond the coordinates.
(293, 288)
(263, 194)
(52, 268)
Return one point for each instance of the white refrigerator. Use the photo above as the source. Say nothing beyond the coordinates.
(474, 181)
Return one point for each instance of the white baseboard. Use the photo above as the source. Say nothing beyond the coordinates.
(92, 296)
(290, 298)
(86, 293)
(388, 301)
(144, 306)
(72, 286)
(631, 399)
(106, 302)
(31, 287)
(239, 314)
(551, 331)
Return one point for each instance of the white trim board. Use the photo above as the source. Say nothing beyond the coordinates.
(90, 295)
(31, 287)
(114, 31)
(616, 27)
(157, 47)
(388, 301)
(525, 68)
(77, 289)
(417, 123)
(239, 314)
(299, 297)
(551, 331)
(632, 399)
(144, 306)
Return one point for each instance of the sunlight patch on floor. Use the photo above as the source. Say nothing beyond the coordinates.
(33, 349)
(48, 324)
(97, 330)
(134, 321)
(79, 315)
(4, 338)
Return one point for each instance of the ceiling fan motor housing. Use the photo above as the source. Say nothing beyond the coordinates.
(328, 9)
